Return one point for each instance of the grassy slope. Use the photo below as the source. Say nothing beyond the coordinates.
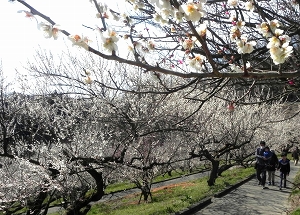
(170, 199)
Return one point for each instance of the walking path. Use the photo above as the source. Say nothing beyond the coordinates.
(250, 199)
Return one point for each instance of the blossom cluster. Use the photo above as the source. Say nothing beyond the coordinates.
(244, 46)
(278, 44)
(241, 40)
(189, 43)
(190, 11)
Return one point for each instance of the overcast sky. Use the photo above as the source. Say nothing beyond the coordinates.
(19, 35)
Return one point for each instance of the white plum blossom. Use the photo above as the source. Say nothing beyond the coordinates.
(278, 43)
(249, 5)
(279, 48)
(178, 16)
(285, 40)
(280, 54)
(88, 80)
(201, 29)
(109, 40)
(264, 29)
(240, 24)
(159, 19)
(244, 46)
(196, 62)
(234, 33)
(188, 44)
(273, 41)
(79, 41)
(193, 11)
(235, 68)
(278, 32)
(274, 24)
(150, 45)
(49, 30)
(239, 69)
(233, 3)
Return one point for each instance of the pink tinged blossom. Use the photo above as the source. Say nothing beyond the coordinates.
(180, 61)
(230, 107)
(28, 14)
(285, 40)
(291, 82)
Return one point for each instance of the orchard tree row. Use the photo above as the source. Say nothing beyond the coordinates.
(65, 145)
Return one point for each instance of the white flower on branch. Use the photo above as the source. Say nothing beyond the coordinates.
(188, 44)
(178, 15)
(280, 54)
(196, 62)
(79, 41)
(273, 41)
(240, 24)
(249, 5)
(28, 14)
(109, 40)
(193, 11)
(235, 33)
(201, 30)
(88, 80)
(233, 3)
(49, 30)
(264, 29)
(239, 69)
(244, 46)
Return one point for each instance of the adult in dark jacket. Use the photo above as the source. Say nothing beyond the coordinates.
(271, 168)
(295, 155)
(284, 168)
(261, 164)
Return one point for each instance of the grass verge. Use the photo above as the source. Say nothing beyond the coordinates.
(295, 196)
(172, 198)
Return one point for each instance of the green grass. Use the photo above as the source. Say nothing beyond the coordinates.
(295, 196)
(128, 185)
(172, 198)
(168, 200)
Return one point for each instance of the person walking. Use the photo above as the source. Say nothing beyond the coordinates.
(284, 168)
(260, 164)
(271, 168)
(295, 155)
